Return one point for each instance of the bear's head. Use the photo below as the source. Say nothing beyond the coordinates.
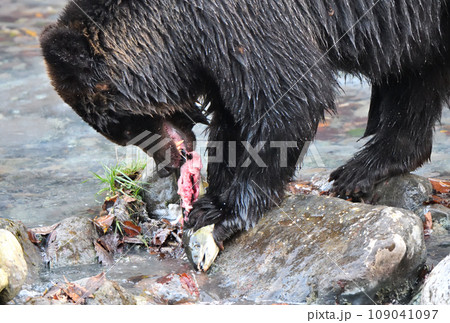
(123, 110)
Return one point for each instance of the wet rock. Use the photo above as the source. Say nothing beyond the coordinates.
(321, 182)
(171, 289)
(175, 212)
(407, 191)
(13, 267)
(45, 301)
(436, 290)
(110, 293)
(95, 290)
(438, 238)
(325, 251)
(158, 193)
(438, 244)
(31, 253)
(439, 213)
(72, 243)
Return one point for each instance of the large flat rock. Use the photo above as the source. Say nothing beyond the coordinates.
(325, 250)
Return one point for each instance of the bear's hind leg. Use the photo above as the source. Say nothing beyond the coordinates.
(403, 113)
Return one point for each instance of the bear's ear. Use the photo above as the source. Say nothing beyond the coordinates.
(68, 57)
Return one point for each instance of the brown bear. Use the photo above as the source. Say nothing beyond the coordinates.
(266, 71)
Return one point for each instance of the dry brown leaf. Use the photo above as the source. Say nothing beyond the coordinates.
(34, 233)
(129, 199)
(104, 222)
(69, 292)
(131, 229)
(45, 230)
(109, 202)
(160, 237)
(110, 242)
(104, 257)
(95, 282)
(428, 224)
(76, 293)
(440, 185)
(440, 200)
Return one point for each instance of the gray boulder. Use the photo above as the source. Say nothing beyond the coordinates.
(72, 243)
(110, 293)
(325, 251)
(407, 191)
(31, 253)
(159, 193)
(436, 290)
(13, 267)
(170, 289)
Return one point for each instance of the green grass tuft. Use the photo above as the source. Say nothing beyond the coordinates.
(122, 179)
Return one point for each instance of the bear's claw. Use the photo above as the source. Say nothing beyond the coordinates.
(200, 246)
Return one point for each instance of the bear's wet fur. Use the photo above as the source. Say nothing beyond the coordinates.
(268, 71)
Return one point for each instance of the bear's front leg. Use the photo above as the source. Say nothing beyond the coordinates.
(257, 185)
(198, 239)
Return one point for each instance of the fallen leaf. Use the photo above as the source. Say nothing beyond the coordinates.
(439, 200)
(167, 222)
(129, 199)
(104, 257)
(69, 292)
(440, 185)
(120, 210)
(77, 293)
(35, 234)
(104, 222)
(160, 237)
(95, 282)
(132, 240)
(45, 230)
(428, 224)
(110, 242)
(131, 229)
(109, 202)
(189, 284)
